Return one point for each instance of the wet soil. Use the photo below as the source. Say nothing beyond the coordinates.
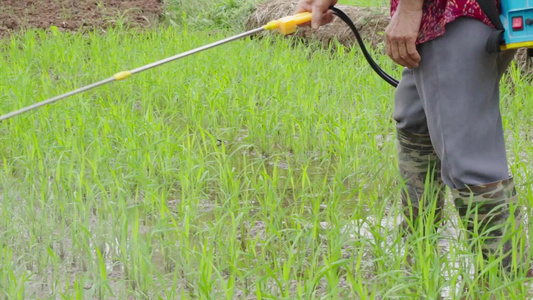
(75, 15)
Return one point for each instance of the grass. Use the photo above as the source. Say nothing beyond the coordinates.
(257, 170)
(228, 14)
(380, 3)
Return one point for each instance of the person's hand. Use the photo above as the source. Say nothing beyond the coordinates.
(401, 35)
(321, 14)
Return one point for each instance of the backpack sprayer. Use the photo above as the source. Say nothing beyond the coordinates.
(517, 19)
(513, 21)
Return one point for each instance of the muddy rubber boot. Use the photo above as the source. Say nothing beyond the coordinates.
(420, 170)
(484, 211)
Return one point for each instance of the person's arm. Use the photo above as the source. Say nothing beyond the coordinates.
(402, 33)
(319, 8)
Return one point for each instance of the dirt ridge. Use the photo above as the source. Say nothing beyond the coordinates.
(74, 15)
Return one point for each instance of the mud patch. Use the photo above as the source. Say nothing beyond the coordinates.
(75, 15)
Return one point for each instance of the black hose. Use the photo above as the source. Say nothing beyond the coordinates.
(389, 79)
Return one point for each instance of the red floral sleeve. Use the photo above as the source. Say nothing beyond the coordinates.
(441, 12)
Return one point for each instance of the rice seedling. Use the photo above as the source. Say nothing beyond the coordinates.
(263, 169)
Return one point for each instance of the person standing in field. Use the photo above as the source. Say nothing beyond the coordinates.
(448, 122)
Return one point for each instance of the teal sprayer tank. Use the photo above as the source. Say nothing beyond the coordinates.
(517, 19)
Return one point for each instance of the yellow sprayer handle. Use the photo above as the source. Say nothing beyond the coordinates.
(288, 24)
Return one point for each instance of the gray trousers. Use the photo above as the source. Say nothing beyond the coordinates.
(454, 96)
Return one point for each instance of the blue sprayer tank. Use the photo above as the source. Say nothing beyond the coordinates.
(517, 19)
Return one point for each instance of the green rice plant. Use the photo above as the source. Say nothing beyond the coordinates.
(264, 168)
